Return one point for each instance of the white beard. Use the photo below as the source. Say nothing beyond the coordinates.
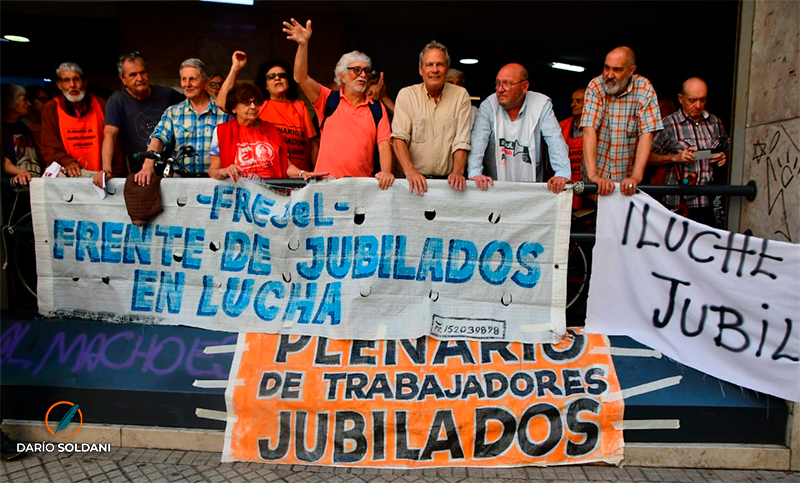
(618, 87)
(77, 98)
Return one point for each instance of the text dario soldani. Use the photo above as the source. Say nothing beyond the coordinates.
(237, 272)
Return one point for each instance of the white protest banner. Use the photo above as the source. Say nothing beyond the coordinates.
(723, 303)
(339, 259)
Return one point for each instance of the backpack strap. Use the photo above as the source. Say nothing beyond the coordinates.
(330, 107)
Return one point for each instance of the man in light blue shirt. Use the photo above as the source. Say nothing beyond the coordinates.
(506, 137)
(188, 123)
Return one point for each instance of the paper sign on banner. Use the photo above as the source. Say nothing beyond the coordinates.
(329, 260)
(723, 303)
(422, 403)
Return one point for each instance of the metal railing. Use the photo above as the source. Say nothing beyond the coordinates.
(749, 191)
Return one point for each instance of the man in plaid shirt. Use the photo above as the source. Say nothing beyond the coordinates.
(188, 123)
(620, 114)
(685, 132)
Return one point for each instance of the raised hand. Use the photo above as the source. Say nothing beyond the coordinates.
(238, 60)
(295, 31)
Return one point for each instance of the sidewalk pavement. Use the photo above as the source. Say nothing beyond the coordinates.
(154, 465)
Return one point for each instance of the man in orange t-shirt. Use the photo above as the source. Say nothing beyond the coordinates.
(350, 135)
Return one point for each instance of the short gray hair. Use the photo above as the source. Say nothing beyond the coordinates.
(434, 45)
(341, 66)
(197, 64)
(130, 57)
(456, 74)
(68, 66)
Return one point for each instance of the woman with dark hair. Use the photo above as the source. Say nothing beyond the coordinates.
(248, 146)
(282, 108)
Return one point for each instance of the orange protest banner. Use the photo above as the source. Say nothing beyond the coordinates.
(422, 403)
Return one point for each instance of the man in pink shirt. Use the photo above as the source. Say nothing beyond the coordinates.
(349, 134)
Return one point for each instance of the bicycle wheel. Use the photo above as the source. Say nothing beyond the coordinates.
(21, 260)
(577, 273)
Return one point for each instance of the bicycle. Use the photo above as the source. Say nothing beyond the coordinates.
(169, 166)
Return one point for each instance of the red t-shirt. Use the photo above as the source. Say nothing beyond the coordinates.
(258, 150)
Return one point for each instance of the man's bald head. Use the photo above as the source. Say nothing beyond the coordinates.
(617, 70)
(626, 53)
(511, 85)
(693, 83)
(693, 96)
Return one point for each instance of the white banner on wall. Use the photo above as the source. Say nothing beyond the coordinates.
(723, 303)
(340, 259)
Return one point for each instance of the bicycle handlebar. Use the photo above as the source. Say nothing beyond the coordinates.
(147, 155)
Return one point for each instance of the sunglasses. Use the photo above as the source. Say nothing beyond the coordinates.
(214, 85)
(279, 75)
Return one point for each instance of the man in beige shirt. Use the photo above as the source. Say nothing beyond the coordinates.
(430, 130)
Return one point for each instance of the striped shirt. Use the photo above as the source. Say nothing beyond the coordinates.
(679, 133)
(619, 121)
(187, 127)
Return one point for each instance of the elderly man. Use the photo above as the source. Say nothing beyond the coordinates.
(456, 77)
(188, 123)
(573, 135)
(352, 125)
(510, 123)
(620, 114)
(691, 143)
(131, 114)
(430, 130)
(72, 125)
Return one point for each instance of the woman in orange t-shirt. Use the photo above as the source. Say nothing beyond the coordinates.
(281, 108)
(247, 146)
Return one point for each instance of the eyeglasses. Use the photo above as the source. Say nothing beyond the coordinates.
(249, 102)
(279, 75)
(506, 84)
(214, 85)
(359, 70)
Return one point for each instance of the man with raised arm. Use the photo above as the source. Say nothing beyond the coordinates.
(687, 130)
(352, 125)
(188, 123)
(430, 130)
(620, 115)
(131, 114)
(506, 137)
(72, 125)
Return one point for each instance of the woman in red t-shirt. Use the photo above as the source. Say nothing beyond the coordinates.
(247, 146)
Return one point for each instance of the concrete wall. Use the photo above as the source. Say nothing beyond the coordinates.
(772, 133)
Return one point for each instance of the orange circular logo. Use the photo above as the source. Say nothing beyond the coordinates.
(65, 420)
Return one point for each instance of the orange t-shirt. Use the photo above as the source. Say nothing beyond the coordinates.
(349, 138)
(294, 123)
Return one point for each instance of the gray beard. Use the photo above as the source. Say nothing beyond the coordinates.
(619, 87)
(77, 98)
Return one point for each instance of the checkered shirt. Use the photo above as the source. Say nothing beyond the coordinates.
(619, 121)
(679, 133)
(186, 127)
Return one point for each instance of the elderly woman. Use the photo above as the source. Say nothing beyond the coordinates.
(282, 109)
(248, 146)
(20, 155)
